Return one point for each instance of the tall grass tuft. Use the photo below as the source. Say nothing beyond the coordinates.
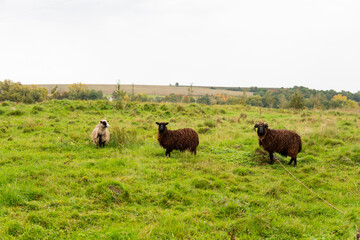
(122, 136)
(16, 113)
(108, 192)
(10, 195)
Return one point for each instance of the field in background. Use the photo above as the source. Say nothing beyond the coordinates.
(151, 89)
(55, 184)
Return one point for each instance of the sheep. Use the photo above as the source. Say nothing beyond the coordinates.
(181, 139)
(101, 134)
(285, 142)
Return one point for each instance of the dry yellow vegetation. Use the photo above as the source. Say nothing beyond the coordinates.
(151, 89)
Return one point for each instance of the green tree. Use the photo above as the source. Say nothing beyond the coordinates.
(78, 91)
(269, 99)
(243, 98)
(254, 101)
(297, 100)
(119, 93)
(132, 92)
(38, 94)
(190, 93)
(283, 103)
(205, 99)
(17, 92)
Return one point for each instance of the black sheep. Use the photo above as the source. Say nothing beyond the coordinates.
(181, 139)
(285, 142)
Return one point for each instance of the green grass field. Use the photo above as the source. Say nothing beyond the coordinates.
(55, 184)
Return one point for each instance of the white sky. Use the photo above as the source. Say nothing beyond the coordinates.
(241, 43)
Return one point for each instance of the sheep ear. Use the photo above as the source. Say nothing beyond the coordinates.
(266, 125)
(157, 123)
(166, 123)
(256, 126)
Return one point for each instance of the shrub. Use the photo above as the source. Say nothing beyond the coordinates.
(179, 108)
(210, 123)
(17, 92)
(149, 107)
(16, 113)
(204, 130)
(38, 108)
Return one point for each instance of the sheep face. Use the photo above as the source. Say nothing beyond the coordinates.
(261, 128)
(104, 124)
(162, 126)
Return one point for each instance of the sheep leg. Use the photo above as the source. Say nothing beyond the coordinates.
(292, 159)
(295, 162)
(193, 151)
(271, 158)
(100, 140)
(167, 152)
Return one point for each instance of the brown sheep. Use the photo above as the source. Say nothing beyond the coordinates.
(101, 134)
(181, 139)
(285, 142)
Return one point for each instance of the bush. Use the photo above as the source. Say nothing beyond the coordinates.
(16, 92)
(16, 113)
(204, 130)
(38, 108)
(210, 123)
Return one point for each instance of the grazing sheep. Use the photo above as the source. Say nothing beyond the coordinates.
(285, 142)
(101, 134)
(181, 139)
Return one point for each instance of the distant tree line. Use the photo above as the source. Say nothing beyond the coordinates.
(77, 91)
(296, 97)
(301, 97)
(16, 92)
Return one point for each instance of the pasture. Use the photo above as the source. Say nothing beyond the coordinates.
(56, 184)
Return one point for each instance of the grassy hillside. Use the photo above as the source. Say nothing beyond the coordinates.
(55, 184)
(151, 89)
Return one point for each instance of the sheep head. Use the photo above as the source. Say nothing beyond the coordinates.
(162, 126)
(261, 128)
(104, 123)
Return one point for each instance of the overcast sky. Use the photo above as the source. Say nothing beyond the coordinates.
(263, 43)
